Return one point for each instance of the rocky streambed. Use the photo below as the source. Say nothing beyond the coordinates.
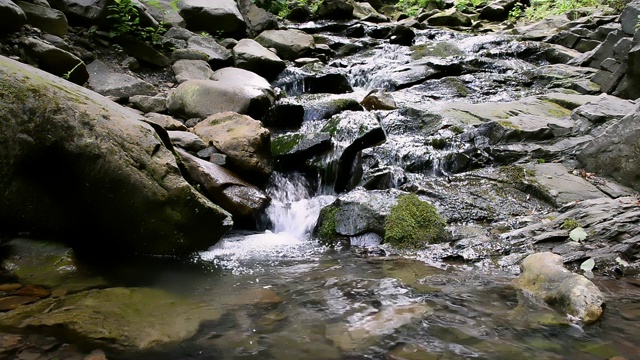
(306, 136)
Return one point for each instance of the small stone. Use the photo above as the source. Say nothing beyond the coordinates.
(96, 355)
(218, 159)
(10, 287)
(13, 302)
(131, 63)
(33, 290)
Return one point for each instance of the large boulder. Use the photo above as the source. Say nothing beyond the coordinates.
(616, 152)
(45, 18)
(451, 17)
(257, 18)
(217, 55)
(215, 17)
(335, 9)
(57, 61)
(244, 140)
(250, 55)
(290, 44)
(132, 319)
(73, 163)
(230, 89)
(545, 278)
(241, 199)
(12, 16)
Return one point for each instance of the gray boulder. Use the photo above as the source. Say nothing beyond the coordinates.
(186, 140)
(449, 18)
(217, 55)
(230, 89)
(289, 44)
(543, 277)
(256, 18)
(164, 11)
(149, 104)
(497, 10)
(119, 86)
(291, 150)
(366, 12)
(57, 61)
(335, 9)
(356, 212)
(12, 16)
(590, 117)
(165, 121)
(241, 199)
(629, 17)
(616, 152)
(215, 17)
(378, 99)
(79, 164)
(244, 140)
(49, 20)
(191, 70)
(250, 55)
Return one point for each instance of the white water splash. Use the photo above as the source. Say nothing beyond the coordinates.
(293, 214)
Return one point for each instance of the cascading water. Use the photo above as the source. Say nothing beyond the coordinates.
(291, 216)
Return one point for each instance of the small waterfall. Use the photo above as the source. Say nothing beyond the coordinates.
(291, 216)
(293, 210)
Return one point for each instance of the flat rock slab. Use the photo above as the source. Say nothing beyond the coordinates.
(121, 86)
(562, 184)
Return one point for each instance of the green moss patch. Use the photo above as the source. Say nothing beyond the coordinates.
(326, 228)
(413, 223)
(285, 144)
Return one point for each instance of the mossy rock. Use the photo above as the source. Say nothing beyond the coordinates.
(326, 228)
(413, 223)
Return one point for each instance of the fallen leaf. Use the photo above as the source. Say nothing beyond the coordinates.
(578, 234)
(588, 265)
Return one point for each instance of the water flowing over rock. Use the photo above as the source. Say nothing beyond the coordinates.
(91, 167)
(245, 142)
(544, 277)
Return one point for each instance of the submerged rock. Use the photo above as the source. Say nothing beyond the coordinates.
(120, 318)
(85, 165)
(544, 278)
(48, 264)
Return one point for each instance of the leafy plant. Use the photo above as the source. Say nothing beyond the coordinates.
(468, 5)
(272, 6)
(570, 224)
(540, 9)
(67, 75)
(413, 7)
(516, 13)
(126, 23)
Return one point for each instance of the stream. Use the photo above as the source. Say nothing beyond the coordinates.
(281, 295)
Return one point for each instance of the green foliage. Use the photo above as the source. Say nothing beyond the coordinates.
(468, 5)
(540, 9)
(516, 13)
(413, 7)
(273, 6)
(570, 224)
(412, 223)
(638, 23)
(126, 23)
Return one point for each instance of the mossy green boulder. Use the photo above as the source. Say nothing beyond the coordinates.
(413, 223)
